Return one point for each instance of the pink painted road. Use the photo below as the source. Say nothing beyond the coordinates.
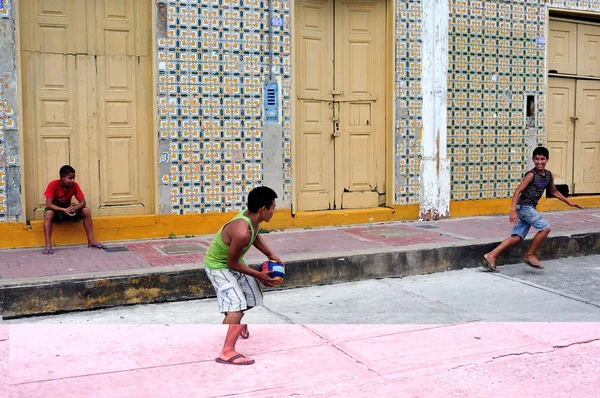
(462, 360)
(289, 244)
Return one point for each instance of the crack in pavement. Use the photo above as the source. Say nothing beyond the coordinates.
(332, 344)
(285, 318)
(576, 343)
(516, 354)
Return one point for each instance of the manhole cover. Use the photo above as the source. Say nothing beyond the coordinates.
(182, 248)
(426, 226)
(389, 233)
(114, 249)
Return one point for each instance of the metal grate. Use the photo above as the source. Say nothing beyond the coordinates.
(427, 226)
(114, 249)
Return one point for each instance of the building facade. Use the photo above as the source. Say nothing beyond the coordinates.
(182, 106)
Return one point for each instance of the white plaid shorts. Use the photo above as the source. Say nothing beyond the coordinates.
(235, 291)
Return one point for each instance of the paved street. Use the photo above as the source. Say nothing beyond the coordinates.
(568, 290)
(522, 332)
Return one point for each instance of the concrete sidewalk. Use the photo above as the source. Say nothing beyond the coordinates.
(473, 359)
(165, 270)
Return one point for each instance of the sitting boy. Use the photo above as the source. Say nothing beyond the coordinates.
(59, 207)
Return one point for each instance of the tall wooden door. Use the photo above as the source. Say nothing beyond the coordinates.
(560, 128)
(587, 138)
(340, 71)
(86, 79)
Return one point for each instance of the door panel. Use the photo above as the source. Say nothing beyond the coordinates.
(315, 80)
(50, 95)
(86, 90)
(588, 51)
(562, 47)
(560, 128)
(360, 77)
(587, 137)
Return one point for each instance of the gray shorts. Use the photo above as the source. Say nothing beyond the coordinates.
(235, 291)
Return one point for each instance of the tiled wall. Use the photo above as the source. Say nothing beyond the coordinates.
(212, 65)
(408, 102)
(495, 60)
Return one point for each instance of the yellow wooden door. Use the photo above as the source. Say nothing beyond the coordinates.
(340, 112)
(360, 84)
(560, 128)
(85, 77)
(315, 155)
(562, 47)
(587, 138)
(588, 50)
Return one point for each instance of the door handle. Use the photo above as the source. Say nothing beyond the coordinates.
(574, 119)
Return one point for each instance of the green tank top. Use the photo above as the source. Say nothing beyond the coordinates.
(216, 256)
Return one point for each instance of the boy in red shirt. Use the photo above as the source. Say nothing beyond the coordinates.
(59, 194)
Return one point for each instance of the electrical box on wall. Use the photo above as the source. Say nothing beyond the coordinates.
(271, 101)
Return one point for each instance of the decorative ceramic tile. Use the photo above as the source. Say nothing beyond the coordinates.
(5, 12)
(212, 65)
(408, 102)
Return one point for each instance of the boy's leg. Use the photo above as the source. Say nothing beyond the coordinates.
(233, 319)
(48, 220)
(537, 222)
(86, 214)
(507, 243)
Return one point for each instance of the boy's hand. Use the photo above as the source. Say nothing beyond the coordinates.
(266, 279)
(575, 205)
(275, 258)
(514, 219)
(71, 210)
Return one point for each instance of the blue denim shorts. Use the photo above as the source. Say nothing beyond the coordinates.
(528, 217)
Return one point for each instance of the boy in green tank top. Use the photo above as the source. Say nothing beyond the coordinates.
(235, 283)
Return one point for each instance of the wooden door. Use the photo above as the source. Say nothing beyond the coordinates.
(86, 79)
(340, 112)
(360, 82)
(560, 129)
(587, 138)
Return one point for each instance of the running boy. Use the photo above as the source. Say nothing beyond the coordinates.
(235, 283)
(59, 194)
(523, 214)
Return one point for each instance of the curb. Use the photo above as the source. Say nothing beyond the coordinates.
(36, 296)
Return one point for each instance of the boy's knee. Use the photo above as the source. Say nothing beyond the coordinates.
(49, 214)
(85, 212)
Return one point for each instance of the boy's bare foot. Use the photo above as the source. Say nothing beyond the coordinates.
(245, 333)
(234, 359)
(490, 262)
(533, 261)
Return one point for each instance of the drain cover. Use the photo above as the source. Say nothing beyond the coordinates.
(427, 226)
(114, 249)
(182, 249)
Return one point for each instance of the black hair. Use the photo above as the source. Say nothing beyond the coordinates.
(541, 151)
(259, 197)
(66, 170)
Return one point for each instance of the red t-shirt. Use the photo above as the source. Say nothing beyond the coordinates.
(56, 193)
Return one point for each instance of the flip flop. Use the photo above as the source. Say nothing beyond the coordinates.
(247, 334)
(97, 246)
(490, 266)
(534, 265)
(47, 252)
(233, 358)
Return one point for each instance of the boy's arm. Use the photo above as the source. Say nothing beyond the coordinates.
(240, 236)
(554, 192)
(261, 245)
(52, 206)
(80, 200)
(513, 209)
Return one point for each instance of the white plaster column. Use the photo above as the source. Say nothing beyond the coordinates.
(435, 166)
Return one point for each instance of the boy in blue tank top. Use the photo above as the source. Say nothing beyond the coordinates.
(235, 283)
(523, 214)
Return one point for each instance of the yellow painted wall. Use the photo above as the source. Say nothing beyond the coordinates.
(107, 229)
